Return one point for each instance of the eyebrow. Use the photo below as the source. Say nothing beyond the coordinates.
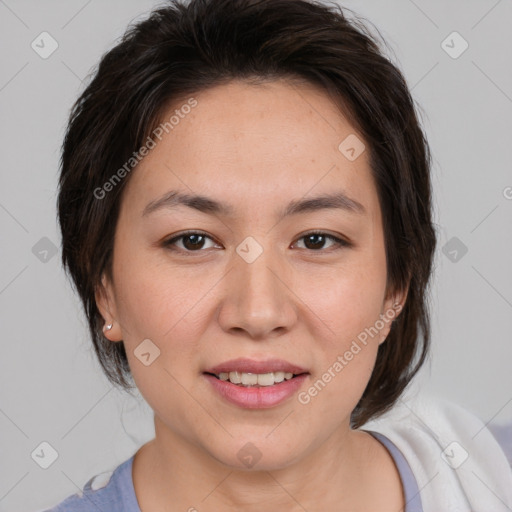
(174, 199)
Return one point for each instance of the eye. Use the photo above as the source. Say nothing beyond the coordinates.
(315, 241)
(192, 241)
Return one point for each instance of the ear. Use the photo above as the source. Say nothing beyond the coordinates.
(105, 301)
(391, 309)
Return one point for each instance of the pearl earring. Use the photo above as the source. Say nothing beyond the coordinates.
(107, 327)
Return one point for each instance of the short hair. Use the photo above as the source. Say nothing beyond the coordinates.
(183, 48)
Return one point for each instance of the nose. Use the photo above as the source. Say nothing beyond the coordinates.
(257, 300)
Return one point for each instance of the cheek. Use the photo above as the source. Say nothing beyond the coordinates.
(158, 302)
(348, 300)
(350, 306)
(163, 308)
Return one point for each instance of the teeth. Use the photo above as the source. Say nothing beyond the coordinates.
(235, 377)
(265, 379)
(255, 379)
(249, 379)
(279, 376)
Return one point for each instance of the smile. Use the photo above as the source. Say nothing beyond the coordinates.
(255, 379)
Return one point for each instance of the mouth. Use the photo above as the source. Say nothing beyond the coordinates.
(255, 380)
(251, 373)
(252, 384)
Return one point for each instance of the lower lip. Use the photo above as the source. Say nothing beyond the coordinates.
(256, 398)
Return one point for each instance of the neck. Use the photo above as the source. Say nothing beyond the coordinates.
(171, 470)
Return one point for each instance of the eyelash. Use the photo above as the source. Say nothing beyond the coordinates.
(340, 243)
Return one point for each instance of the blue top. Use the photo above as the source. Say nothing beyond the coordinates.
(118, 494)
(411, 491)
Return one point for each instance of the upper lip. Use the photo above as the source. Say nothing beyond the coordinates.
(243, 365)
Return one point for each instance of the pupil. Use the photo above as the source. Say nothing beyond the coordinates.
(196, 241)
(316, 237)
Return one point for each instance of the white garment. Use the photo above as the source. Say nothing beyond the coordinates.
(423, 426)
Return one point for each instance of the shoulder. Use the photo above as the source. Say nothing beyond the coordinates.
(111, 490)
(456, 460)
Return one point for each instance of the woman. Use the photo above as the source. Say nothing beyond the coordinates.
(245, 206)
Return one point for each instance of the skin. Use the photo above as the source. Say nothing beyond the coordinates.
(256, 148)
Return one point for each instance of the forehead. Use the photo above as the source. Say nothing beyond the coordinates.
(265, 143)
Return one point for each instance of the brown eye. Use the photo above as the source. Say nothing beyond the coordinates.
(316, 241)
(190, 242)
(193, 242)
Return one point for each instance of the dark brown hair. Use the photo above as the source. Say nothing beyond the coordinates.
(183, 48)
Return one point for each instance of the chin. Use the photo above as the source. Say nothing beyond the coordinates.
(257, 452)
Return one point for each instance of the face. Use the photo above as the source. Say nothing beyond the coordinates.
(243, 278)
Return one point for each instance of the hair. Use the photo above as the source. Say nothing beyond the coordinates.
(183, 48)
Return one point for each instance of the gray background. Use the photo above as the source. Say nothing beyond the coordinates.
(51, 387)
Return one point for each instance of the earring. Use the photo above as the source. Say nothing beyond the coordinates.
(107, 327)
